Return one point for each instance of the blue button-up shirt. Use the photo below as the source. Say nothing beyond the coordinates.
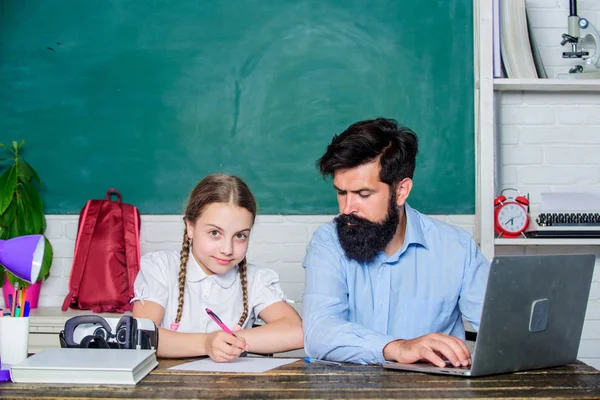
(351, 311)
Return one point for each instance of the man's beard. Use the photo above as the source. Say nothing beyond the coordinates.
(362, 240)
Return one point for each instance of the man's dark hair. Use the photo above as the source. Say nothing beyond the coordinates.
(364, 141)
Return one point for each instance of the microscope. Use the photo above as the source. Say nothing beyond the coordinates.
(585, 41)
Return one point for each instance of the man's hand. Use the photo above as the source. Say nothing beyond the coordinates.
(221, 346)
(434, 347)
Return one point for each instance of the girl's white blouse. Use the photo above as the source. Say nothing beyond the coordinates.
(158, 281)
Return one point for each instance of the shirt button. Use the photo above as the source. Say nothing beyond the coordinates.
(381, 303)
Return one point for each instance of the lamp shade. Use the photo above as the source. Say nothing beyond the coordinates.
(23, 256)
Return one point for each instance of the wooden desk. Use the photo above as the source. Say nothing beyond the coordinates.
(301, 380)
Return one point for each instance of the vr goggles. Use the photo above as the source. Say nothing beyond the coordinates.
(93, 331)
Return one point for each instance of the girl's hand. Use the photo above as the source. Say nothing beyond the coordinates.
(223, 347)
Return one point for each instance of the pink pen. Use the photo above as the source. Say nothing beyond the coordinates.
(218, 321)
(224, 327)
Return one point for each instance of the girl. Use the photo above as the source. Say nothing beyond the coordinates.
(211, 272)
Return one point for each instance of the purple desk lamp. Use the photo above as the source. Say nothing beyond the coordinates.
(22, 256)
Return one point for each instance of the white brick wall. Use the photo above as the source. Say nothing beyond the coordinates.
(550, 142)
(277, 242)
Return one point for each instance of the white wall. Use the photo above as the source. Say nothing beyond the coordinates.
(277, 242)
(550, 142)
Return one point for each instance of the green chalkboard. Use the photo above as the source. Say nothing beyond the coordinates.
(149, 96)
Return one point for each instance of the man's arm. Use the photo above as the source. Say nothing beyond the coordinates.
(430, 347)
(327, 332)
(433, 347)
(439, 347)
(475, 277)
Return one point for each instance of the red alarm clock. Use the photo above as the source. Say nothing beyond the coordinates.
(511, 215)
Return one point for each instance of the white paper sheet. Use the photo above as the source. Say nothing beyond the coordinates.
(581, 202)
(242, 364)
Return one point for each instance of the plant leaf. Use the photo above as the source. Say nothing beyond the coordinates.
(37, 207)
(33, 197)
(18, 226)
(33, 211)
(8, 183)
(13, 229)
(26, 215)
(13, 279)
(9, 215)
(3, 232)
(28, 172)
(15, 145)
(46, 261)
(2, 274)
(43, 227)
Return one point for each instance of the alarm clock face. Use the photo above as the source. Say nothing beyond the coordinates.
(512, 217)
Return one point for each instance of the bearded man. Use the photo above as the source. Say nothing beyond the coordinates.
(383, 281)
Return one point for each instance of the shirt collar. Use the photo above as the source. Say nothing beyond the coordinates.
(413, 234)
(195, 273)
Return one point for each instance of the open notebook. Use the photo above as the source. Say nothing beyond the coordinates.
(85, 366)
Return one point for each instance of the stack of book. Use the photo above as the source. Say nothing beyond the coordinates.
(85, 366)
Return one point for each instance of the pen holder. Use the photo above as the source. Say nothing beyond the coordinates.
(14, 339)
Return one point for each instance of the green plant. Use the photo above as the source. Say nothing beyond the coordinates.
(21, 207)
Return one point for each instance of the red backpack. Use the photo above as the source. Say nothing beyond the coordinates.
(107, 256)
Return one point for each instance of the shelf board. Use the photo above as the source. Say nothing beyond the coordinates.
(547, 242)
(547, 85)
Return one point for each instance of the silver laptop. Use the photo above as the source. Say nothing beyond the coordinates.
(532, 317)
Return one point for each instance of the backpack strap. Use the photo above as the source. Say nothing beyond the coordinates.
(131, 230)
(85, 232)
(112, 191)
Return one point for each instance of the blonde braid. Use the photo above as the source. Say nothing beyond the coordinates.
(185, 253)
(244, 280)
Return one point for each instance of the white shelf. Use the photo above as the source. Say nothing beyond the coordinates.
(547, 85)
(547, 242)
(486, 88)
